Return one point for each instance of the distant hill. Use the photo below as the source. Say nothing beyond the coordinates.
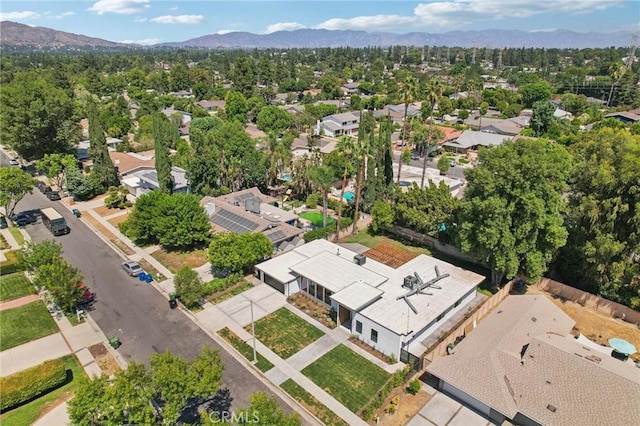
(13, 34)
(486, 38)
(19, 35)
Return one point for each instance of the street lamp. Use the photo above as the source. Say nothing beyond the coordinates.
(253, 334)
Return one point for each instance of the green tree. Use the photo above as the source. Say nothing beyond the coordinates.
(80, 185)
(264, 411)
(236, 107)
(273, 119)
(54, 166)
(36, 117)
(63, 282)
(188, 286)
(425, 209)
(162, 131)
(33, 255)
(383, 216)
(409, 92)
(229, 252)
(169, 380)
(104, 172)
(535, 92)
(443, 164)
(542, 118)
(344, 151)
(15, 183)
(604, 217)
(323, 178)
(512, 214)
(117, 198)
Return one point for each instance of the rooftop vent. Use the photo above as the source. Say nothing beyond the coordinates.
(534, 319)
(551, 408)
(593, 358)
(359, 259)
(410, 281)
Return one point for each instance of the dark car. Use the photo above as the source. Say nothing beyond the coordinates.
(45, 189)
(3, 222)
(25, 218)
(53, 196)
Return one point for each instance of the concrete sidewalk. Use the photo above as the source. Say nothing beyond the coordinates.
(16, 303)
(33, 353)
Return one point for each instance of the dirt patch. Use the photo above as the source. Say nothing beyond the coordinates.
(593, 325)
(104, 211)
(174, 260)
(110, 235)
(104, 359)
(408, 407)
(318, 311)
(389, 255)
(115, 221)
(362, 345)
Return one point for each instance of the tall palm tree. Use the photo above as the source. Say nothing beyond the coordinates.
(323, 178)
(345, 150)
(616, 71)
(433, 91)
(361, 150)
(409, 92)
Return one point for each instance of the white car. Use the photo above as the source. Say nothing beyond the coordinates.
(132, 268)
(14, 162)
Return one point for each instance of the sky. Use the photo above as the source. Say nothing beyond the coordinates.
(157, 21)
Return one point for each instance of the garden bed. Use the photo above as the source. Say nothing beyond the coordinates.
(362, 345)
(229, 292)
(312, 404)
(315, 309)
(245, 349)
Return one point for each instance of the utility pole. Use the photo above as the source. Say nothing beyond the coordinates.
(631, 57)
(253, 333)
(499, 66)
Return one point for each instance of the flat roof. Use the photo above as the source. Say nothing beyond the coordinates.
(357, 295)
(334, 272)
(278, 267)
(391, 313)
(276, 214)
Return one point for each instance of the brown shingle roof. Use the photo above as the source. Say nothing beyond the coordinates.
(521, 360)
(127, 163)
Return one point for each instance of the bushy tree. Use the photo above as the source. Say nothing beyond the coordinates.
(63, 282)
(188, 286)
(383, 216)
(512, 214)
(54, 166)
(273, 119)
(542, 118)
(231, 252)
(117, 198)
(33, 255)
(15, 183)
(82, 187)
(103, 173)
(535, 92)
(174, 221)
(425, 209)
(162, 135)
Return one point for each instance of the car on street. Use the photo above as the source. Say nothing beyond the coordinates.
(45, 189)
(53, 196)
(13, 162)
(26, 217)
(132, 268)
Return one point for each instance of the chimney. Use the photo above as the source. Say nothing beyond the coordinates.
(359, 259)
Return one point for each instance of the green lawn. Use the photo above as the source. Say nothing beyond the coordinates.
(27, 414)
(348, 377)
(15, 286)
(315, 217)
(24, 324)
(285, 333)
(310, 402)
(17, 235)
(245, 349)
(228, 294)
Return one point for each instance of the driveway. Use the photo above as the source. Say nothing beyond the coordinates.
(136, 312)
(442, 410)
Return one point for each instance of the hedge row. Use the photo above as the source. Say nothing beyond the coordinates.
(10, 265)
(319, 233)
(31, 383)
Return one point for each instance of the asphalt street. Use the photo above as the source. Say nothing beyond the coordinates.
(133, 310)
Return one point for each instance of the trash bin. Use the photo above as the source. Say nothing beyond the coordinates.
(114, 342)
(142, 276)
(148, 278)
(173, 301)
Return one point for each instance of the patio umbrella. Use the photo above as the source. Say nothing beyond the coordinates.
(622, 346)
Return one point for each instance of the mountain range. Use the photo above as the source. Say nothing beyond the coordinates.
(20, 35)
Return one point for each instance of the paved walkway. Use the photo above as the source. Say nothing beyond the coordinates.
(33, 353)
(56, 417)
(15, 303)
(442, 410)
(13, 244)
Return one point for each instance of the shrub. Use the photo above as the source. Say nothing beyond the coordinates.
(10, 265)
(312, 201)
(414, 387)
(31, 383)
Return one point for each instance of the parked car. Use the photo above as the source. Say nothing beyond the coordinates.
(452, 163)
(132, 268)
(88, 297)
(13, 162)
(25, 217)
(45, 189)
(3, 222)
(53, 196)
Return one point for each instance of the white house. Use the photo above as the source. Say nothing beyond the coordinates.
(336, 125)
(392, 310)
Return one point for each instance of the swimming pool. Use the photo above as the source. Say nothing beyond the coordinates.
(350, 197)
(286, 176)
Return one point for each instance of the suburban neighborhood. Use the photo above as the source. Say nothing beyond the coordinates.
(337, 235)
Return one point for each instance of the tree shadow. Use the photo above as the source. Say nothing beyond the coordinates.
(220, 403)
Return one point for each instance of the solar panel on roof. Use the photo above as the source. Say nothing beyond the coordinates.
(277, 235)
(233, 222)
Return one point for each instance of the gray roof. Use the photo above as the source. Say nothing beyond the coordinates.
(520, 360)
(179, 177)
(498, 125)
(471, 138)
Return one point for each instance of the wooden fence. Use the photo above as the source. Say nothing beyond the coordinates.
(591, 301)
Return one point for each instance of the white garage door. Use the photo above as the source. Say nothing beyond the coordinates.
(466, 399)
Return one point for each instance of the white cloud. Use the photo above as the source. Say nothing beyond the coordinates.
(146, 41)
(122, 7)
(12, 16)
(543, 30)
(460, 13)
(221, 32)
(139, 19)
(284, 26)
(64, 15)
(173, 9)
(178, 19)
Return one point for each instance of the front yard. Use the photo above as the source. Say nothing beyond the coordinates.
(245, 349)
(174, 260)
(312, 404)
(24, 324)
(15, 286)
(348, 377)
(285, 333)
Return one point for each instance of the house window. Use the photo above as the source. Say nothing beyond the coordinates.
(358, 327)
(374, 336)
